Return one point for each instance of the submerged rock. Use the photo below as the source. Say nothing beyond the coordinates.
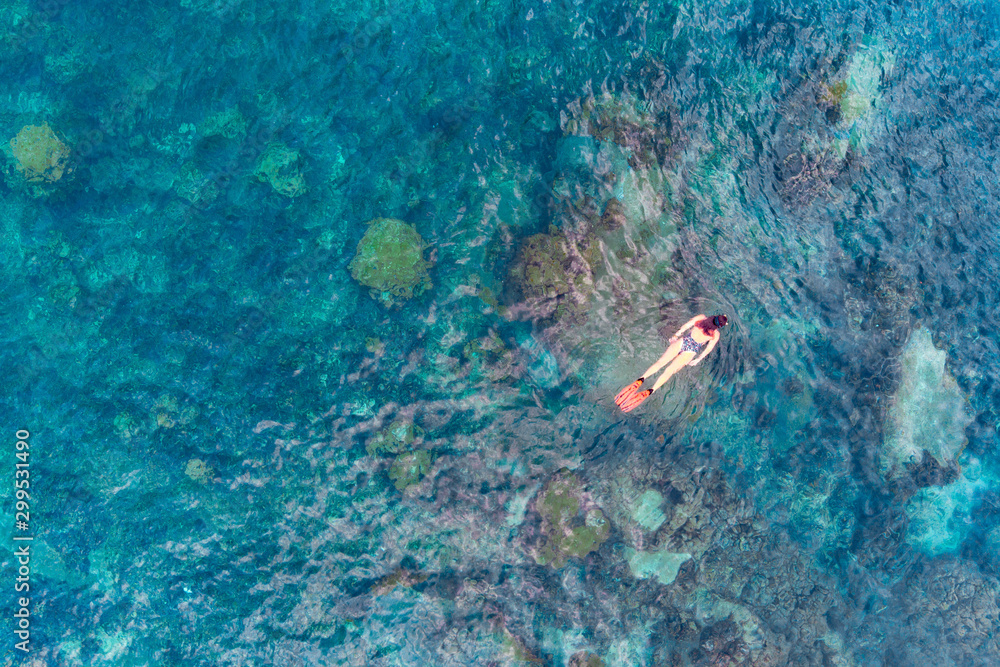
(860, 91)
(624, 120)
(542, 365)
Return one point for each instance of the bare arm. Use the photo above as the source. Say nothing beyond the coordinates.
(708, 348)
(690, 323)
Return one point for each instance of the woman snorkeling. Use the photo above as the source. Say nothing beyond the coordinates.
(699, 335)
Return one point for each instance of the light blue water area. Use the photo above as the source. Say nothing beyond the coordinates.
(315, 313)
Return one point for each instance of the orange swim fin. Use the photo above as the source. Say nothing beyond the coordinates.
(633, 401)
(628, 391)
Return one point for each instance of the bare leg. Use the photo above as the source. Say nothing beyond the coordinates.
(682, 360)
(630, 391)
(667, 357)
(632, 401)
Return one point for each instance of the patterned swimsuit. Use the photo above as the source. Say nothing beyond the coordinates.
(689, 344)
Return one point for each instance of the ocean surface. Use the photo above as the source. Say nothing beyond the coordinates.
(315, 313)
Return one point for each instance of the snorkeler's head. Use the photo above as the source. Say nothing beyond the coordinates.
(720, 321)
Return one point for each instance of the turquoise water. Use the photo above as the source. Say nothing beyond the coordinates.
(316, 313)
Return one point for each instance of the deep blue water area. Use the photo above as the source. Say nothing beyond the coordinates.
(316, 312)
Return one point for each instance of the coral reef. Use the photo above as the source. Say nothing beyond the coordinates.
(408, 469)
(806, 174)
(621, 119)
(398, 440)
(572, 525)
(41, 157)
(612, 147)
(722, 643)
(553, 275)
(390, 261)
(193, 186)
(940, 516)
(403, 577)
(860, 90)
(375, 346)
(740, 518)
(647, 512)
(611, 238)
(879, 298)
(199, 471)
(929, 412)
(281, 167)
(489, 357)
(689, 528)
(229, 123)
(584, 659)
(397, 437)
(168, 412)
(663, 565)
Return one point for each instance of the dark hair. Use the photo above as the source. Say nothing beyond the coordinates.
(710, 324)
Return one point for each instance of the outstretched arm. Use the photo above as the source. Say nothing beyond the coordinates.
(690, 323)
(708, 348)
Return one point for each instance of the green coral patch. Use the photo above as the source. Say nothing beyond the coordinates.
(280, 166)
(390, 261)
(556, 272)
(571, 527)
(408, 469)
(397, 437)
